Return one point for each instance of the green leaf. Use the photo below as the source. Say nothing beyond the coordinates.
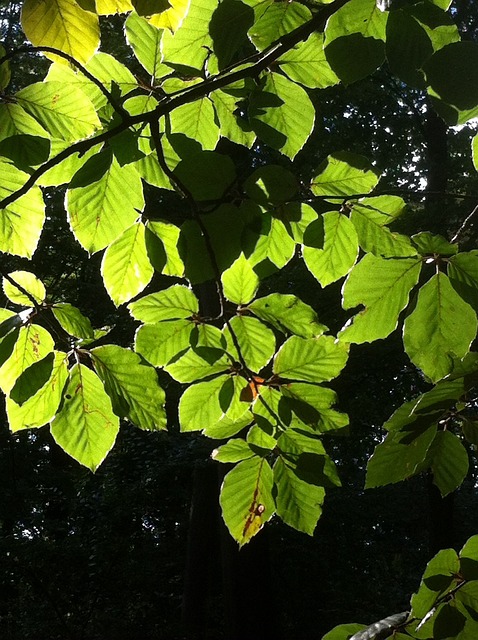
(207, 175)
(235, 401)
(145, 40)
(94, 212)
(72, 320)
(399, 456)
(312, 360)
(15, 121)
(357, 16)
(300, 473)
(173, 17)
(383, 287)
(463, 274)
(199, 406)
(173, 303)
(233, 451)
(231, 124)
(354, 38)
(275, 19)
(354, 57)
(306, 64)
(282, 115)
(63, 25)
(29, 283)
(345, 631)
(22, 221)
(469, 559)
(160, 343)
(330, 247)
(240, 282)
(41, 407)
(311, 404)
(64, 171)
(168, 234)
(132, 386)
(343, 175)
(246, 498)
(475, 151)
(196, 120)
(271, 417)
(112, 74)
(271, 185)
(198, 363)
(408, 46)
(449, 462)
(287, 313)
(125, 267)
(5, 73)
(369, 216)
(430, 244)
(269, 242)
(224, 227)
(10, 321)
(437, 580)
(32, 345)
(85, 427)
(429, 407)
(256, 341)
(65, 113)
(190, 44)
(441, 326)
(150, 7)
(452, 73)
(108, 7)
(228, 28)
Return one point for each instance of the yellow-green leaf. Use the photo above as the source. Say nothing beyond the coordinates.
(63, 25)
(86, 427)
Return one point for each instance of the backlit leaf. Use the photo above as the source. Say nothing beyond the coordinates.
(330, 247)
(240, 281)
(101, 209)
(32, 345)
(41, 407)
(256, 341)
(170, 304)
(132, 386)
(85, 427)
(288, 313)
(441, 326)
(246, 498)
(160, 343)
(383, 287)
(29, 283)
(125, 267)
(65, 112)
(344, 174)
(22, 221)
(312, 360)
(287, 123)
(72, 320)
(61, 24)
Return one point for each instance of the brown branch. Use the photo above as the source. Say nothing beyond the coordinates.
(258, 62)
(466, 223)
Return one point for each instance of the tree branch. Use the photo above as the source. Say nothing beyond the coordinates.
(258, 62)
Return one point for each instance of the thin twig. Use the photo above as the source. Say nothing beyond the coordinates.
(467, 223)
